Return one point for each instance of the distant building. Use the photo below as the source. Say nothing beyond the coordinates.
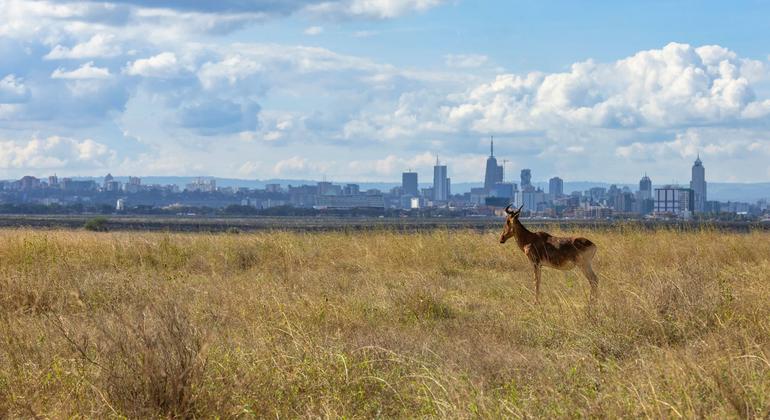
(202, 185)
(110, 184)
(303, 196)
(597, 194)
(624, 202)
(477, 196)
(327, 188)
(70, 185)
(133, 185)
(505, 190)
(672, 199)
(409, 185)
(555, 187)
(645, 188)
(351, 201)
(53, 181)
(27, 183)
(351, 189)
(526, 179)
(273, 188)
(120, 205)
(493, 173)
(698, 185)
(533, 199)
(441, 188)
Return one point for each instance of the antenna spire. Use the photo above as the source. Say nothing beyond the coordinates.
(492, 146)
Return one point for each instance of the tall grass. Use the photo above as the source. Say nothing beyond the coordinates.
(438, 324)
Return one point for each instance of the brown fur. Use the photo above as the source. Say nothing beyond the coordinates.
(543, 249)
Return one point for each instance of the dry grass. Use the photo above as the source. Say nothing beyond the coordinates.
(380, 324)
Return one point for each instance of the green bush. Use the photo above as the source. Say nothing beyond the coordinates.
(97, 224)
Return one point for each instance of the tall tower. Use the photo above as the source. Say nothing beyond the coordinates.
(440, 182)
(556, 187)
(698, 185)
(409, 184)
(526, 179)
(645, 188)
(494, 172)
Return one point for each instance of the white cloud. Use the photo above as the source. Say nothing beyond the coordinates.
(54, 153)
(232, 69)
(314, 30)
(86, 71)
(162, 65)
(301, 166)
(371, 9)
(100, 45)
(666, 88)
(717, 144)
(465, 61)
(12, 89)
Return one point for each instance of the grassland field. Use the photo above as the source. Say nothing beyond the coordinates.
(380, 324)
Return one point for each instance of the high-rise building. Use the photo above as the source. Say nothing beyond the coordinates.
(645, 188)
(494, 172)
(555, 187)
(698, 185)
(533, 199)
(351, 189)
(674, 200)
(409, 184)
(526, 179)
(440, 182)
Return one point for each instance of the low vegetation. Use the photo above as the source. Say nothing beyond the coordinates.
(360, 325)
(96, 224)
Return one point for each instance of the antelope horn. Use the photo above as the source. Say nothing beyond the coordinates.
(519, 210)
(508, 209)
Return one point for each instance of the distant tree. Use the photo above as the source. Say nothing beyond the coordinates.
(96, 224)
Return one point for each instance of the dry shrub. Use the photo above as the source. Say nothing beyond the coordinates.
(150, 360)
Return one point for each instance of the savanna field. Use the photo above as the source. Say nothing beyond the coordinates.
(380, 324)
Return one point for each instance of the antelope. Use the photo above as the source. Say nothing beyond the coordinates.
(543, 249)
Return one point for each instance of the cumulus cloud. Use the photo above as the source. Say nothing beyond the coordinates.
(100, 45)
(709, 143)
(86, 71)
(671, 87)
(314, 30)
(54, 153)
(162, 65)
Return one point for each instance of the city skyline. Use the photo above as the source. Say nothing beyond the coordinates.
(362, 90)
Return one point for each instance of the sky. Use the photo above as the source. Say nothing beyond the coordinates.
(365, 89)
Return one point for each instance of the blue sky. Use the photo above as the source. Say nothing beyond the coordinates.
(364, 89)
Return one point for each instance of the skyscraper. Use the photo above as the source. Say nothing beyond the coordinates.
(409, 184)
(526, 179)
(698, 185)
(440, 182)
(494, 172)
(556, 187)
(645, 188)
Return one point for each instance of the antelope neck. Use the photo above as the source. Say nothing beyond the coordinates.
(521, 233)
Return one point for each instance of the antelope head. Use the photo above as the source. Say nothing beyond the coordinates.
(509, 229)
